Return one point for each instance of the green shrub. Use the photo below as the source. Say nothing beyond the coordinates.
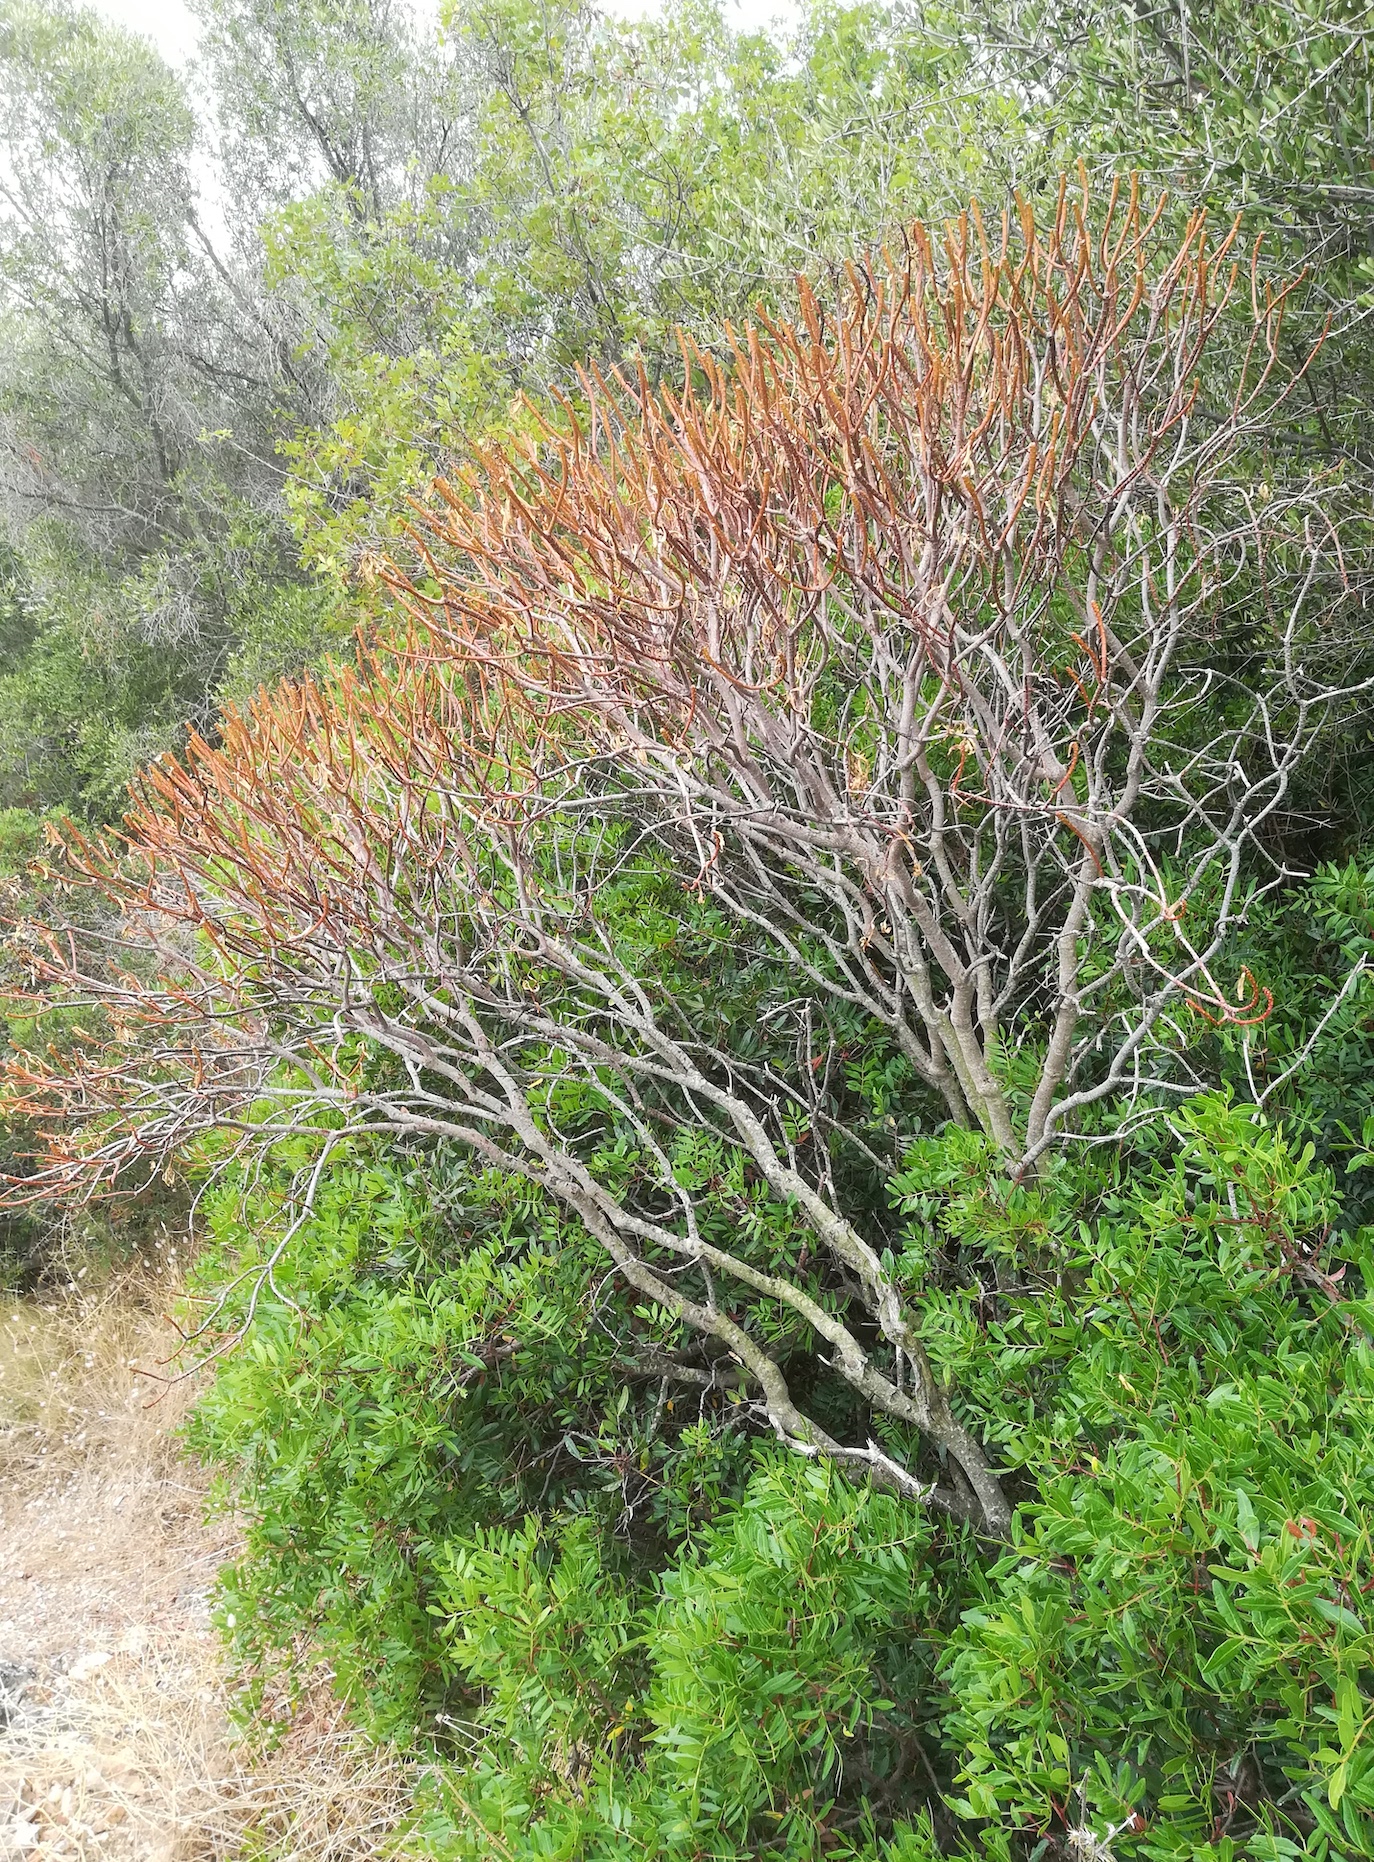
(1180, 1632)
(779, 1664)
(625, 1635)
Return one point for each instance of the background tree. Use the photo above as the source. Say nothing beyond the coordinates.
(139, 482)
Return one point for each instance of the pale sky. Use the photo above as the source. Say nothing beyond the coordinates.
(166, 22)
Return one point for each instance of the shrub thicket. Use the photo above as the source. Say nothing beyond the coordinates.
(633, 1635)
(783, 1144)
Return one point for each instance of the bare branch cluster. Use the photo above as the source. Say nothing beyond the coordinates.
(923, 624)
(901, 642)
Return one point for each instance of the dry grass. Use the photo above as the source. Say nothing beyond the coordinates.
(121, 1745)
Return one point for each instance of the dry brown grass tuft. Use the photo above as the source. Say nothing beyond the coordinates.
(136, 1760)
(120, 1745)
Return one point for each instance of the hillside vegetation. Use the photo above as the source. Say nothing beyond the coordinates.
(684, 745)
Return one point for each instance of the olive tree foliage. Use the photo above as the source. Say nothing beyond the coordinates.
(98, 141)
(362, 95)
(137, 471)
(345, 140)
(1265, 107)
(587, 187)
(676, 172)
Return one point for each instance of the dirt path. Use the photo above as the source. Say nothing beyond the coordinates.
(116, 1740)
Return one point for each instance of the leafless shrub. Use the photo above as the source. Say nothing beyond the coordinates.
(909, 638)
